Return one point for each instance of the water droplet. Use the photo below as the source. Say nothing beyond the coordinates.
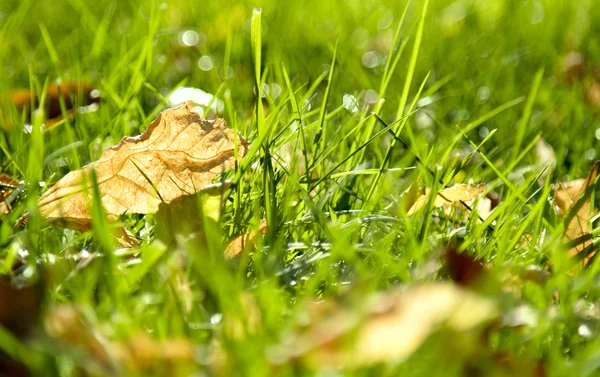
(453, 13)
(385, 20)
(216, 318)
(484, 132)
(227, 72)
(591, 154)
(423, 119)
(584, 331)
(537, 13)
(598, 133)
(205, 63)
(350, 103)
(370, 96)
(370, 59)
(360, 38)
(189, 38)
(275, 90)
(483, 93)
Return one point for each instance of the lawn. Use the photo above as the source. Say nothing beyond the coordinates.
(401, 188)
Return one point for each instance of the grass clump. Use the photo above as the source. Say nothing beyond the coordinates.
(352, 109)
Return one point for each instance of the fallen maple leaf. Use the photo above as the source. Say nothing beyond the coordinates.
(448, 196)
(179, 154)
(567, 196)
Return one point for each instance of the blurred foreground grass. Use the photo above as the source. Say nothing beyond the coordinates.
(313, 298)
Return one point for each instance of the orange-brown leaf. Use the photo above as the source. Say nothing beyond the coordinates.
(448, 196)
(239, 243)
(388, 327)
(180, 153)
(566, 196)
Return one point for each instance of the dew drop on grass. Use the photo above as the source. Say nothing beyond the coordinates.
(350, 103)
(584, 331)
(275, 90)
(360, 38)
(189, 38)
(386, 20)
(537, 13)
(483, 132)
(370, 59)
(591, 154)
(216, 318)
(423, 119)
(226, 72)
(370, 96)
(483, 93)
(598, 133)
(205, 63)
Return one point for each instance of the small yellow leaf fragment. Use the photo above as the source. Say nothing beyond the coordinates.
(448, 196)
(179, 154)
(386, 327)
(566, 197)
(239, 243)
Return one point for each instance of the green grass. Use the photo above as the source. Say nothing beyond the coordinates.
(468, 87)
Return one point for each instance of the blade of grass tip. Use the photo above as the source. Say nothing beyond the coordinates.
(297, 116)
(103, 235)
(522, 126)
(388, 72)
(321, 136)
(404, 98)
(413, 62)
(50, 47)
(420, 162)
(34, 174)
(268, 179)
(101, 32)
(355, 151)
(500, 175)
(255, 33)
(388, 154)
(484, 118)
(313, 208)
(312, 88)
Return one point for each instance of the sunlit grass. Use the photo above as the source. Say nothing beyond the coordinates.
(346, 104)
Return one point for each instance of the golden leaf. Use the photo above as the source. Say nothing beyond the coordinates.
(239, 243)
(71, 94)
(388, 327)
(7, 186)
(566, 196)
(448, 196)
(180, 153)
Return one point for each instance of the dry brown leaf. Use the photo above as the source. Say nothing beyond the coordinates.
(71, 331)
(180, 153)
(22, 99)
(7, 186)
(566, 196)
(125, 238)
(393, 327)
(239, 243)
(448, 196)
